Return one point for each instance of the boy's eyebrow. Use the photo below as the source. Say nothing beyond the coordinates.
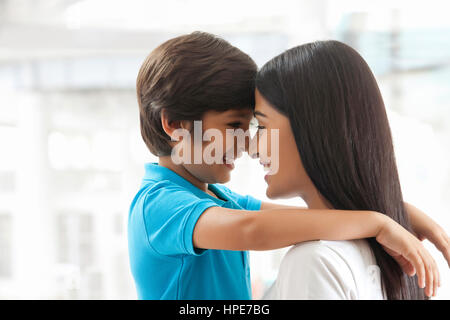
(258, 113)
(240, 115)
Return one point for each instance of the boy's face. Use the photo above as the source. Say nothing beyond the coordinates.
(220, 121)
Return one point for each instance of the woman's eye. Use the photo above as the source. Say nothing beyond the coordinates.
(260, 127)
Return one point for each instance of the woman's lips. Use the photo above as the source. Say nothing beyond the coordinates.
(266, 165)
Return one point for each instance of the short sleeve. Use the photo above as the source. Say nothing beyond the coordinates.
(311, 271)
(170, 214)
(247, 202)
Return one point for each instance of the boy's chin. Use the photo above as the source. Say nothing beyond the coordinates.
(223, 178)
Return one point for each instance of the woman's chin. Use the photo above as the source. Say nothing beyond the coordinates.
(275, 192)
(271, 193)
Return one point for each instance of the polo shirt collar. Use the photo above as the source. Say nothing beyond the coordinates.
(153, 171)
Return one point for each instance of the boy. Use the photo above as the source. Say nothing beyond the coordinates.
(188, 235)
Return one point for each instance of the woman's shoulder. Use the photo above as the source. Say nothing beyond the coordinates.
(349, 262)
(312, 270)
(320, 257)
(319, 251)
(349, 250)
(354, 256)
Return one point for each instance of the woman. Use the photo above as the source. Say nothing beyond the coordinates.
(325, 102)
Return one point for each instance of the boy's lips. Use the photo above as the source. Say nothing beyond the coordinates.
(229, 166)
(228, 162)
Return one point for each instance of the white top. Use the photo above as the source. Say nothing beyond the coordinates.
(328, 270)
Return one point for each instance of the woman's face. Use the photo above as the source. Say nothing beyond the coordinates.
(286, 177)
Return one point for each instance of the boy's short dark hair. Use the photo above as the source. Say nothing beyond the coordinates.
(187, 76)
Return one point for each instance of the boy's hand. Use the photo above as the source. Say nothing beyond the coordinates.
(411, 255)
(425, 228)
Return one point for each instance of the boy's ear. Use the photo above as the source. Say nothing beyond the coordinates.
(170, 126)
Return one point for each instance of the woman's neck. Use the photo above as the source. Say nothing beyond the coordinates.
(315, 200)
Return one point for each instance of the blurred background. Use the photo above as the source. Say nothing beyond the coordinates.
(72, 157)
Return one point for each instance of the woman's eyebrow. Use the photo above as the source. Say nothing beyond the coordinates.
(258, 113)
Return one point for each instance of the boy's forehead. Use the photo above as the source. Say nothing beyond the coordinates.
(232, 113)
(243, 113)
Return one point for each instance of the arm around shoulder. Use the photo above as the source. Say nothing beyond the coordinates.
(229, 229)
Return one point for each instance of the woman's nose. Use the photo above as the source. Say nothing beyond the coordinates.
(251, 147)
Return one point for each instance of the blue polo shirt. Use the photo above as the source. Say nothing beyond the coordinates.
(163, 260)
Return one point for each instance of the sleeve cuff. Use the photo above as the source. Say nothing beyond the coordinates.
(189, 226)
(253, 203)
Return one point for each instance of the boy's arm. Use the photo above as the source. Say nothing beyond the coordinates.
(228, 229)
(425, 228)
(270, 205)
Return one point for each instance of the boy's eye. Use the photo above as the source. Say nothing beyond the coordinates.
(235, 125)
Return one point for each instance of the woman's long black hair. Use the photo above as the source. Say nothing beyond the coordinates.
(339, 121)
